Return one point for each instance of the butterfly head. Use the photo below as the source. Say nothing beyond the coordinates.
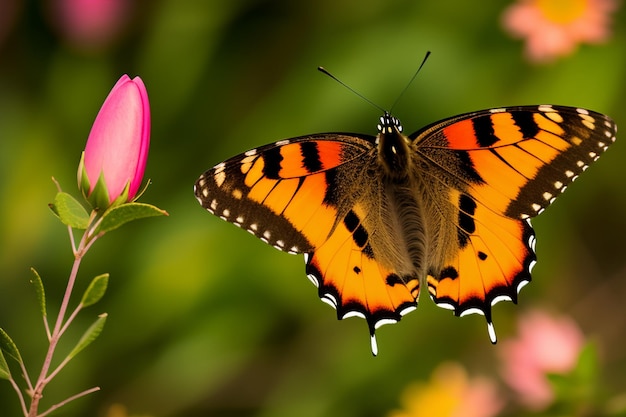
(393, 148)
(389, 124)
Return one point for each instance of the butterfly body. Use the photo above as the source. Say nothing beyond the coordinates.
(379, 218)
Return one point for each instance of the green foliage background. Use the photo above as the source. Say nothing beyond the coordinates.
(203, 318)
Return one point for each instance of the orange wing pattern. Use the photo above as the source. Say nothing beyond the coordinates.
(517, 160)
(448, 206)
(297, 196)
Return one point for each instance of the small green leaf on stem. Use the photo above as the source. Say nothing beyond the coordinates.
(89, 336)
(118, 215)
(39, 290)
(7, 344)
(96, 290)
(70, 211)
(5, 372)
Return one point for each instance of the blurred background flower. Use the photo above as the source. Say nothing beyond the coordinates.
(546, 344)
(450, 392)
(555, 28)
(89, 24)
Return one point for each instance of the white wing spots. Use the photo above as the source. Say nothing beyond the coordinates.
(330, 300)
(380, 323)
(582, 111)
(251, 152)
(239, 220)
(446, 306)
(498, 110)
(569, 173)
(282, 142)
(593, 156)
(538, 209)
(280, 244)
(548, 197)
(374, 345)
(407, 310)
(546, 108)
(219, 167)
(524, 216)
(558, 185)
(254, 227)
(213, 206)
(265, 237)
(353, 314)
(472, 310)
(314, 280)
(226, 213)
(523, 283)
(293, 250)
(492, 332)
(500, 298)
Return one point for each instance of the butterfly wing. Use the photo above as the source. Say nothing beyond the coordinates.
(513, 164)
(318, 195)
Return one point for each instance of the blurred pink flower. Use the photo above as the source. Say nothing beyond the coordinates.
(554, 28)
(115, 156)
(9, 15)
(546, 344)
(450, 393)
(89, 23)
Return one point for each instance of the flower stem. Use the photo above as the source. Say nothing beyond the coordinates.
(59, 326)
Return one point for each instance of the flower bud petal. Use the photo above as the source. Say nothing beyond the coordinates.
(117, 148)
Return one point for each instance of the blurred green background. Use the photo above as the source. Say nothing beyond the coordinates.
(204, 319)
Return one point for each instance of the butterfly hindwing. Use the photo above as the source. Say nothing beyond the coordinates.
(518, 159)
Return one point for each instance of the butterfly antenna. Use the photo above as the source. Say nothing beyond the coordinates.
(411, 81)
(325, 72)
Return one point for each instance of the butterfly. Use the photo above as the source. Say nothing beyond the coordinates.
(446, 208)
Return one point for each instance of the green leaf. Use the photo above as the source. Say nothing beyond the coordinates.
(7, 344)
(5, 372)
(118, 215)
(41, 294)
(70, 211)
(89, 336)
(95, 291)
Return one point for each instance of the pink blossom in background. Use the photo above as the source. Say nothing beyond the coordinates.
(554, 28)
(117, 147)
(450, 393)
(545, 344)
(9, 15)
(89, 23)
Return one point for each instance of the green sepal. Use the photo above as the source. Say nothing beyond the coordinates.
(70, 211)
(7, 345)
(89, 336)
(39, 290)
(99, 197)
(117, 216)
(95, 291)
(5, 372)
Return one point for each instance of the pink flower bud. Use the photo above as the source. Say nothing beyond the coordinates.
(114, 160)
